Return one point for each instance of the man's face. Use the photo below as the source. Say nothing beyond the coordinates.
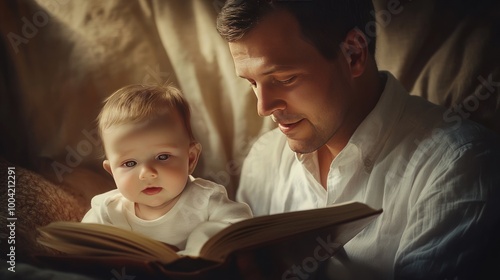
(306, 94)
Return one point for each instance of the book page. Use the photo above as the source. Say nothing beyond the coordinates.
(103, 240)
(265, 229)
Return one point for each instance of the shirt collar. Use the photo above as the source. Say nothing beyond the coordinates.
(371, 134)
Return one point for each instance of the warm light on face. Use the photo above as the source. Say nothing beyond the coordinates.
(306, 94)
(149, 161)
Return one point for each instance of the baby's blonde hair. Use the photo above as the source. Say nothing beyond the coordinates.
(136, 103)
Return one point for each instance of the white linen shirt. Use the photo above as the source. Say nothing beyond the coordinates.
(434, 174)
(202, 210)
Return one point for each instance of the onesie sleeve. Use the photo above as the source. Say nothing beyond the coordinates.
(98, 209)
(221, 208)
(221, 212)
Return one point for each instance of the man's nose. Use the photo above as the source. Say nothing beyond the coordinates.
(269, 99)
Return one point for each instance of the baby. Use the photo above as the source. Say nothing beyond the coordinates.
(151, 153)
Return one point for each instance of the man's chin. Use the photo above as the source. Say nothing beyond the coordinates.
(300, 146)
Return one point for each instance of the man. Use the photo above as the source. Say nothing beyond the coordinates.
(349, 132)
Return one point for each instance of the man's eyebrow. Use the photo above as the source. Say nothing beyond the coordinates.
(272, 69)
(277, 68)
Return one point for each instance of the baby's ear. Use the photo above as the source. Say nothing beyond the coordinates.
(194, 155)
(107, 167)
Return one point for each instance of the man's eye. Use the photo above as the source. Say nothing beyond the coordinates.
(129, 164)
(253, 84)
(163, 157)
(287, 81)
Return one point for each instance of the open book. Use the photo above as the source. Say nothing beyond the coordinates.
(283, 239)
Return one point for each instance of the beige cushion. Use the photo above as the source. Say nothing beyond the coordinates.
(445, 51)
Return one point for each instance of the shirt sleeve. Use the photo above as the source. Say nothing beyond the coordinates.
(451, 224)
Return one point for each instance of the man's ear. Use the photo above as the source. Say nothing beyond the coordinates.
(355, 50)
(194, 155)
(107, 166)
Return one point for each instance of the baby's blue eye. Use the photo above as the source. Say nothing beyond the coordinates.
(130, 163)
(163, 157)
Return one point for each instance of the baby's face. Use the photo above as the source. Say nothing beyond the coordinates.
(150, 161)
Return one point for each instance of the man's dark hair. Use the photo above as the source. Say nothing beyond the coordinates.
(324, 23)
